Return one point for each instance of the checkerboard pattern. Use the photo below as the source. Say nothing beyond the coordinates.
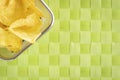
(83, 44)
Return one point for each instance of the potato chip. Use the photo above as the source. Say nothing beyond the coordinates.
(13, 43)
(2, 38)
(2, 33)
(28, 29)
(12, 10)
(19, 20)
(33, 0)
(10, 41)
(3, 26)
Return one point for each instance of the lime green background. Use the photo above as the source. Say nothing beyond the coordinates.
(83, 44)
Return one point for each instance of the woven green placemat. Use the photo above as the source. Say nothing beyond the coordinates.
(83, 44)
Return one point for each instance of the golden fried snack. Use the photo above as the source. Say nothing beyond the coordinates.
(10, 41)
(27, 29)
(12, 10)
(19, 20)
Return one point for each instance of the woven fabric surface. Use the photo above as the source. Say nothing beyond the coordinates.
(83, 44)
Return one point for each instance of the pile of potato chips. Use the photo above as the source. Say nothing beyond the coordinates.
(19, 20)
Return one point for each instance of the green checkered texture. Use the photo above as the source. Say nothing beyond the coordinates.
(83, 44)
